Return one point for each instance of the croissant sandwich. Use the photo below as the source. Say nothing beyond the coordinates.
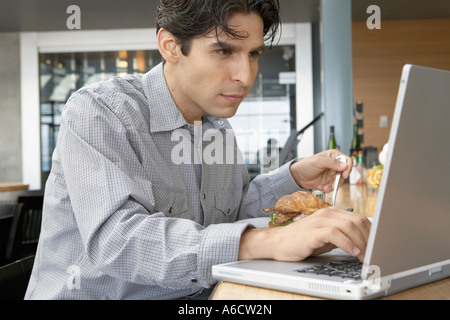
(293, 206)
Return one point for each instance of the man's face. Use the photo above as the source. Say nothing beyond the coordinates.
(217, 74)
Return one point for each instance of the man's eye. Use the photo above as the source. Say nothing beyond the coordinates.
(254, 54)
(224, 51)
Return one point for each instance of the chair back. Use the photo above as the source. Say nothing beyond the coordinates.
(7, 213)
(14, 279)
(26, 228)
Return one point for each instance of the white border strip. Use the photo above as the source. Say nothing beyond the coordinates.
(30, 111)
(94, 40)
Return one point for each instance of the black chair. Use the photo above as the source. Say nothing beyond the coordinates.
(7, 213)
(26, 227)
(14, 279)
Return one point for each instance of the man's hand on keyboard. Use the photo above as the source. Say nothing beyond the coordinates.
(323, 231)
(318, 233)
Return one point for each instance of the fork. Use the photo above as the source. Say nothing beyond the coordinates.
(336, 182)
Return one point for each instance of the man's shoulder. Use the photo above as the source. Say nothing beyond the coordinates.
(128, 85)
(112, 93)
(122, 96)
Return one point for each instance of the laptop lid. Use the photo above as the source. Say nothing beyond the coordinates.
(412, 214)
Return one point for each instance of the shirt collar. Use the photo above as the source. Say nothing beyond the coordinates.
(164, 114)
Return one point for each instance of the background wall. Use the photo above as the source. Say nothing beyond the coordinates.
(378, 59)
(10, 118)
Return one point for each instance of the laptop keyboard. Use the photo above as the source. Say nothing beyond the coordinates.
(346, 269)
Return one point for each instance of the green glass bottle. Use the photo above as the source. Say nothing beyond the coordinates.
(332, 139)
(356, 144)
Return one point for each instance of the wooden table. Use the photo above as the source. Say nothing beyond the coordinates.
(358, 197)
(12, 186)
(9, 191)
(362, 200)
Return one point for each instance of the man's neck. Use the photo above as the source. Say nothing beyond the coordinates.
(191, 115)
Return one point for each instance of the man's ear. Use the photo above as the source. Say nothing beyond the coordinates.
(168, 46)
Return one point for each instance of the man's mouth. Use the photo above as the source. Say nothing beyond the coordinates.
(233, 98)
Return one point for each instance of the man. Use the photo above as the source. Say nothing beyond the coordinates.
(124, 220)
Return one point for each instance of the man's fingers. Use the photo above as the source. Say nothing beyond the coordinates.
(346, 230)
(356, 225)
(336, 237)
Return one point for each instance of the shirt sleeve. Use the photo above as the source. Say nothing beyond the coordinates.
(263, 191)
(112, 205)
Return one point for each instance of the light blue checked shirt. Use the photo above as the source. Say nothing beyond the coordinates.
(121, 220)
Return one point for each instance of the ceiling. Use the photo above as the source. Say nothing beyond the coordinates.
(50, 15)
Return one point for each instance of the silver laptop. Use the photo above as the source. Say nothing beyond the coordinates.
(409, 242)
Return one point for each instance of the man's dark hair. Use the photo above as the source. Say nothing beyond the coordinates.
(191, 19)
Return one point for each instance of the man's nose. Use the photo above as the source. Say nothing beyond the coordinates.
(245, 71)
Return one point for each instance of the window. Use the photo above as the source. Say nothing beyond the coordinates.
(61, 74)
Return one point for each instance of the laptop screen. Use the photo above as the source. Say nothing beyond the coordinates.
(412, 214)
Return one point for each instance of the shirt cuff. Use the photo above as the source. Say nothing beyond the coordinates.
(220, 244)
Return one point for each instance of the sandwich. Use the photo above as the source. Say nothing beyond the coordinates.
(293, 207)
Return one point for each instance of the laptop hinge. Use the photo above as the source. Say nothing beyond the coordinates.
(376, 285)
(373, 280)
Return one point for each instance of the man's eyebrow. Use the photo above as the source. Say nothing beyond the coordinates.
(260, 48)
(226, 45)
